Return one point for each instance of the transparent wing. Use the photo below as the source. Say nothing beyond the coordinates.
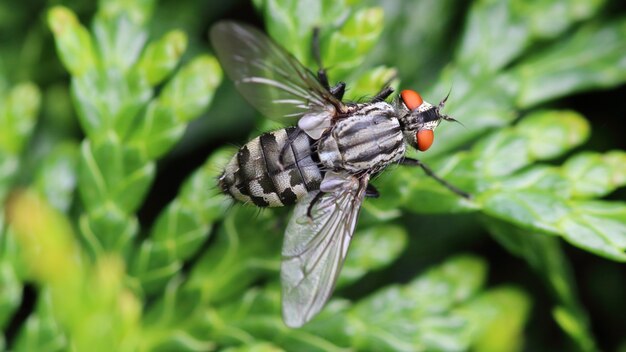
(314, 249)
(270, 78)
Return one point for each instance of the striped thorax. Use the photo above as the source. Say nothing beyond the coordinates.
(366, 141)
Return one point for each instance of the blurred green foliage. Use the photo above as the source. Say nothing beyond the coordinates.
(79, 157)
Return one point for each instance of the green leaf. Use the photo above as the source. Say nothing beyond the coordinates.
(593, 175)
(10, 291)
(574, 327)
(119, 39)
(161, 57)
(483, 49)
(498, 317)
(186, 96)
(541, 135)
(244, 250)
(81, 294)
(418, 316)
(9, 165)
(371, 82)
(73, 42)
(599, 227)
(256, 347)
(57, 175)
(18, 113)
(548, 19)
(112, 173)
(372, 249)
(544, 254)
(191, 90)
(290, 22)
(42, 331)
(563, 69)
(108, 229)
(107, 101)
(138, 11)
(417, 39)
(182, 227)
(346, 48)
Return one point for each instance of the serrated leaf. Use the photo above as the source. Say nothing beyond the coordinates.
(137, 11)
(594, 174)
(548, 19)
(599, 227)
(119, 39)
(551, 133)
(498, 317)
(161, 57)
(417, 317)
(595, 226)
(182, 227)
(108, 229)
(574, 327)
(107, 101)
(372, 249)
(486, 50)
(346, 48)
(10, 291)
(42, 331)
(541, 135)
(290, 22)
(183, 99)
(73, 42)
(18, 114)
(243, 251)
(423, 30)
(57, 176)
(9, 165)
(158, 131)
(256, 347)
(560, 69)
(544, 254)
(371, 82)
(192, 89)
(110, 172)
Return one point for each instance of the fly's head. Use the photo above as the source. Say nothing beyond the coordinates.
(419, 119)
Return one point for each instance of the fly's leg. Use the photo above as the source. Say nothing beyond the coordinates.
(431, 173)
(337, 90)
(382, 95)
(371, 192)
(315, 49)
(315, 199)
(386, 91)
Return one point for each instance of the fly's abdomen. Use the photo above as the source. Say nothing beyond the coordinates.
(259, 175)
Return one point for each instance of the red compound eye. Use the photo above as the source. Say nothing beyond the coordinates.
(411, 99)
(424, 139)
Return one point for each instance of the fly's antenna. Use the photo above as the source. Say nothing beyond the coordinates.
(443, 102)
(448, 118)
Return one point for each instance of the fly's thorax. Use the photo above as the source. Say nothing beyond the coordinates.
(258, 174)
(367, 140)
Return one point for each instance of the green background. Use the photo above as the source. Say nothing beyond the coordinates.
(116, 119)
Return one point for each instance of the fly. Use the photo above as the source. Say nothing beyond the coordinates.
(323, 163)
